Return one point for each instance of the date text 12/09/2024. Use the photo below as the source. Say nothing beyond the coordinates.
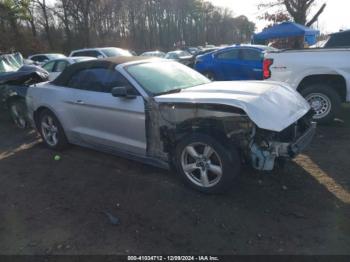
(173, 258)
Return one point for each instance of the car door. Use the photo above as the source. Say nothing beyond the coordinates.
(227, 65)
(251, 62)
(103, 120)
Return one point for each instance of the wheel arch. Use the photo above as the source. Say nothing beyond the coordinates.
(40, 109)
(337, 82)
(214, 127)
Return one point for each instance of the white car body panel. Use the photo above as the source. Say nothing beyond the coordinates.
(53, 75)
(293, 66)
(270, 105)
(83, 114)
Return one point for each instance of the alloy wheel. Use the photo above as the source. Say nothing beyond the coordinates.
(18, 116)
(49, 130)
(202, 165)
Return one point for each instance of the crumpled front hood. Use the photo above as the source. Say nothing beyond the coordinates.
(270, 105)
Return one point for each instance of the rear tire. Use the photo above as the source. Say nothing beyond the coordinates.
(52, 131)
(205, 165)
(324, 100)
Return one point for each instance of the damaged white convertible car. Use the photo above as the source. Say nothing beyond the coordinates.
(166, 114)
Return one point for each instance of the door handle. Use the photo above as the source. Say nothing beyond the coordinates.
(80, 102)
(257, 70)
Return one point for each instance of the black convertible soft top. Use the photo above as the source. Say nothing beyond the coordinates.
(112, 62)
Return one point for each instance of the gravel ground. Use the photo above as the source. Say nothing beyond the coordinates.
(60, 207)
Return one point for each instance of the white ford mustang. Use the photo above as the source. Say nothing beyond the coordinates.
(166, 114)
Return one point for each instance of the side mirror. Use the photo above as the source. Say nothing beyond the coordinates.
(121, 91)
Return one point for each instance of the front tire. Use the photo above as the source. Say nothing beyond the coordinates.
(51, 131)
(18, 113)
(324, 100)
(205, 165)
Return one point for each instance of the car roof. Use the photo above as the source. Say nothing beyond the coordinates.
(262, 47)
(256, 47)
(108, 63)
(70, 59)
(46, 54)
(157, 51)
(80, 57)
(95, 48)
(176, 52)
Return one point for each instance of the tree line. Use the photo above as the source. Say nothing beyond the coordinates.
(62, 25)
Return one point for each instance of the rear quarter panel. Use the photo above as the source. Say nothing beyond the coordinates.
(55, 98)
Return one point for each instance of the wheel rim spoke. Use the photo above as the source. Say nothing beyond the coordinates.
(54, 138)
(190, 167)
(44, 125)
(204, 178)
(192, 151)
(49, 121)
(208, 151)
(217, 170)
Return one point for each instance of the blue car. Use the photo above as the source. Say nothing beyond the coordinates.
(239, 62)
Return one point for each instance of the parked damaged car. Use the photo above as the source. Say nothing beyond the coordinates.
(163, 113)
(14, 81)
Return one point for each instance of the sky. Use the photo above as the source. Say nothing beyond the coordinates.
(334, 18)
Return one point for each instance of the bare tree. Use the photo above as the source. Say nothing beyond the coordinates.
(135, 24)
(298, 10)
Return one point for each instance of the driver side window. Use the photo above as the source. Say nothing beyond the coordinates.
(229, 55)
(99, 80)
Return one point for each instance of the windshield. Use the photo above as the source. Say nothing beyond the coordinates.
(162, 77)
(177, 54)
(154, 54)
(10, 63)
(111, 52)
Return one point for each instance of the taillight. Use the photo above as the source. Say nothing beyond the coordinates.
(266, 68)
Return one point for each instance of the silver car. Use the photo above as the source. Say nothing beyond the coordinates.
(163, 113)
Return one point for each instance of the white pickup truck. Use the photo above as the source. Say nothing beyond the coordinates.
(322, 76)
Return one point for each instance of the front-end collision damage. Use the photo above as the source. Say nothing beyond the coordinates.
(168, 123)
(267, 146)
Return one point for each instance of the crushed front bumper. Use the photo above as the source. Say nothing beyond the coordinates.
(303, 141)
(263, 158)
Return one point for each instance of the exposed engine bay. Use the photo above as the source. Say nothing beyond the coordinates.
(259, 147)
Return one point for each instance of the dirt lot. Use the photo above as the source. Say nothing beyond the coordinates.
(56, 207)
